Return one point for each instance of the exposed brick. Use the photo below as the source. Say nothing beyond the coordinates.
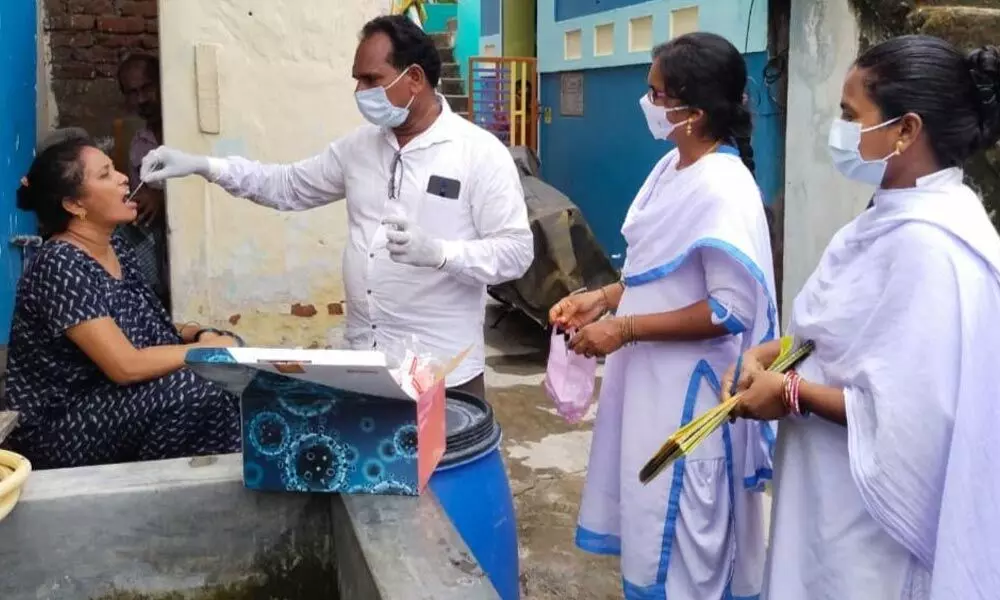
(70, 23)
(139, 8)
(91, 7)
(119, 41)
(334, 308)
(121, 24)
(76, 39)
(303, 310)
(96, 54)
(106, 69)
(88, 39)
(93, 104)
(55, 7)
(73, 70)
(61, 54)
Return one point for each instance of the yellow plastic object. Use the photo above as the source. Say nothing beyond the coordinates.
(687, 438)
(14, 471)
(403, 7)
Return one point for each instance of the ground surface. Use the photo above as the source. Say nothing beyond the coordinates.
(547, 460)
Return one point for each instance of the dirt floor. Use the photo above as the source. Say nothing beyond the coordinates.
(547, 460)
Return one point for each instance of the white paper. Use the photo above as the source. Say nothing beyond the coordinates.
(363, 372)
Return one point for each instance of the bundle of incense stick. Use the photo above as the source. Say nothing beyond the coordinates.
(687, 438)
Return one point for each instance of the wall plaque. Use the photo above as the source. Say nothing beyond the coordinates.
(571, 94)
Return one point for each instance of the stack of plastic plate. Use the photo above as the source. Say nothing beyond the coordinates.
(14, 471)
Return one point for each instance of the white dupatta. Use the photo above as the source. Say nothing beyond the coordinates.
(905, 312)
(715, 203)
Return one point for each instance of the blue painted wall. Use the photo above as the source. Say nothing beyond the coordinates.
(490, 18)
(438, 16)
(496, 41)
(600, 160)
(568, 9)
(467, 36)
(17, 139)
(728, 18)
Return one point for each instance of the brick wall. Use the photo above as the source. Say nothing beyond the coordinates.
(87, 40)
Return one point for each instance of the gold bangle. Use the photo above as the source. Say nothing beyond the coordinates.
(604, 295)
(626, 328)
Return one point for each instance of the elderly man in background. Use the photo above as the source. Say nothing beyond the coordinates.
(139, 80)
(435, 206)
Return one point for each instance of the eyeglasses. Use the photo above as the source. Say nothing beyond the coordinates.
(660, 99)
(655, 95)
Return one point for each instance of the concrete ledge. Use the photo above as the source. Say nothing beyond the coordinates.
(189, 529)
(8, 421)
(979, 3)
(965, 26)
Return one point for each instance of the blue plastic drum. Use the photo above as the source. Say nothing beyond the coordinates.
(472, 487)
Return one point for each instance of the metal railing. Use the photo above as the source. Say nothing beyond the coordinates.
(503, 97)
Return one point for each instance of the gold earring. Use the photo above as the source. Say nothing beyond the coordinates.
(83, 216)
(899, 147)
(688, 128)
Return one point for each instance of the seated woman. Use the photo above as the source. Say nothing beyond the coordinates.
(96, 368)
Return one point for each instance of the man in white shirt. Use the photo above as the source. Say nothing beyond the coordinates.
(435, 205)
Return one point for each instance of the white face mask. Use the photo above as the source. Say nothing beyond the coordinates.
(375, 106)
(656, 118)
(845, 148)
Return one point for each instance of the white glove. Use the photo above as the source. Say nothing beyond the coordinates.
(166, 163)
(408, 245)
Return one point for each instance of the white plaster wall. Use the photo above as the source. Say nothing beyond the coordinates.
(823, 42)
(47, 112)
(285, 91)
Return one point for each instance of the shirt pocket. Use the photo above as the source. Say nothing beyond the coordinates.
(446, 218)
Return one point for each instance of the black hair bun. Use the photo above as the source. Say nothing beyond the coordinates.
(984, 66)
(25, 196)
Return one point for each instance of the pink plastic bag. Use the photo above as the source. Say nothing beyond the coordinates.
(569, 379)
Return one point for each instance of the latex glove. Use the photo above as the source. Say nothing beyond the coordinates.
(166, 163)
(407, 244)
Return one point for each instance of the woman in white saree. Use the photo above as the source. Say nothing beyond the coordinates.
(697, 290)
(887, 484)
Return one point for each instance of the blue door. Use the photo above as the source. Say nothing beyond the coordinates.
(17, 140)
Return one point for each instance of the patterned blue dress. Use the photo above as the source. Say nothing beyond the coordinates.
(71, 413)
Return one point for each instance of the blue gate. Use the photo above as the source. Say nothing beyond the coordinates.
(18, 101)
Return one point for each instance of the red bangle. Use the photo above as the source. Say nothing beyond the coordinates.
(791, 393)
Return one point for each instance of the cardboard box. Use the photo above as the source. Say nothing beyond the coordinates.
(329, 420)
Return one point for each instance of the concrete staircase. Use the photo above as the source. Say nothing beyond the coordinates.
(452, 86)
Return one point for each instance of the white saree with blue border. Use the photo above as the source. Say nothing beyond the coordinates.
(696, 531)
(904, 502)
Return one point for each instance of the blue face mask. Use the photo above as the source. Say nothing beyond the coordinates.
(845, 148)
(376, 108)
